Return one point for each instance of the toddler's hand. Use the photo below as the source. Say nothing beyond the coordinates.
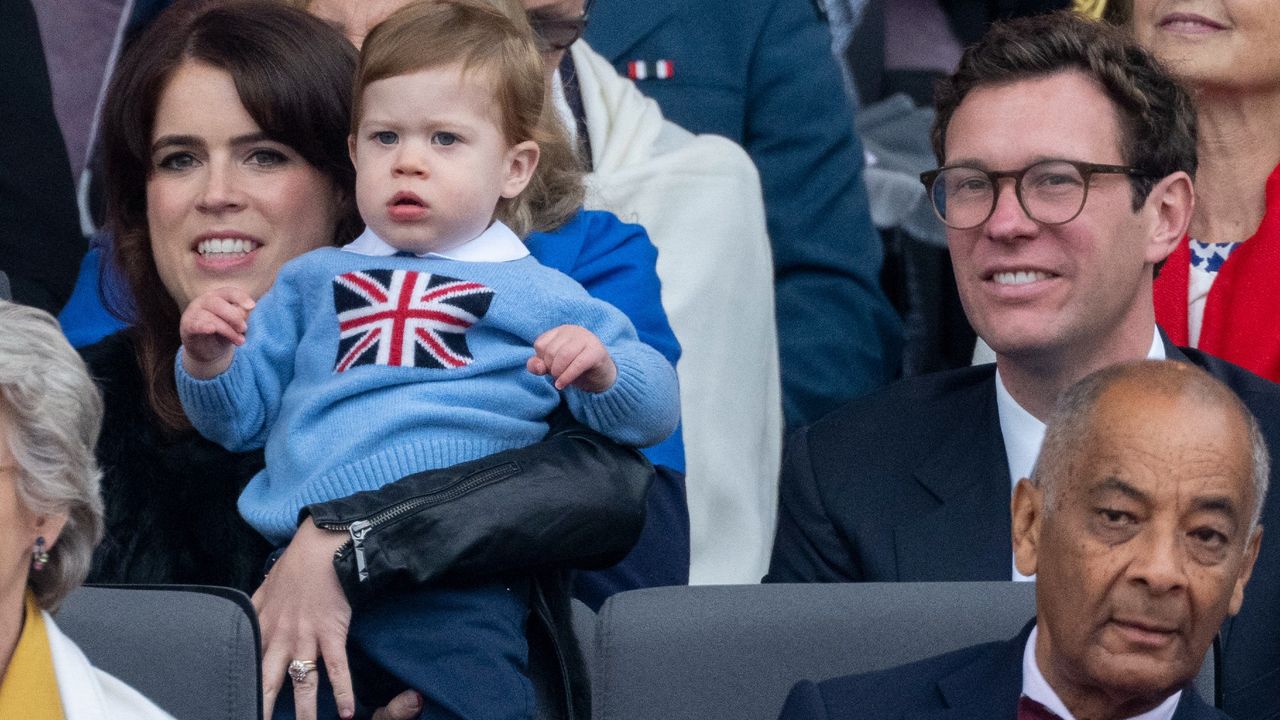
(211, 326)
(573, 355)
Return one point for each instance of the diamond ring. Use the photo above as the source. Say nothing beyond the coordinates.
(298, 669)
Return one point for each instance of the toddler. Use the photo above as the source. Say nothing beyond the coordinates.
(432, 339)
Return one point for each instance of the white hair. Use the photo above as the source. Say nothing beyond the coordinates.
(53, 413)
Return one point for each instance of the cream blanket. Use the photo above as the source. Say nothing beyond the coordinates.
(699, 198)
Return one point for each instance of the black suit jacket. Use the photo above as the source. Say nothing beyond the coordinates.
(982, 682)
(913, 484)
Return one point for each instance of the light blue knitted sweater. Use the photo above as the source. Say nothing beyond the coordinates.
(359, 370)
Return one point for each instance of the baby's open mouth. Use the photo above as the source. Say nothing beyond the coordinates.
(404, 199)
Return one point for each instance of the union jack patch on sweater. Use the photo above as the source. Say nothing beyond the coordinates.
(405, 318)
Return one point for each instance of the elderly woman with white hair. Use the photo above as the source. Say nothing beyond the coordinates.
(50, 520)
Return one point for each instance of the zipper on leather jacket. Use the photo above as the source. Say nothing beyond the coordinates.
(360, 528)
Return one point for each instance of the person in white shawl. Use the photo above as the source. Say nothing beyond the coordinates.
(50, 520)
(699, 198)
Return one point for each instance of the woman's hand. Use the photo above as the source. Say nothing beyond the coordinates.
(303, 615)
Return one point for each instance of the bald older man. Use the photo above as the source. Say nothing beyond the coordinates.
(1140, 523)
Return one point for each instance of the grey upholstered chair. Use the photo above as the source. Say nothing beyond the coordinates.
(192, 650)
(733, 652)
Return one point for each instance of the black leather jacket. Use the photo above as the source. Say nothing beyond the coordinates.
(575, 501)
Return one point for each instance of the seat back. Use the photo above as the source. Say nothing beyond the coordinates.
(192, 650)
(733, 652)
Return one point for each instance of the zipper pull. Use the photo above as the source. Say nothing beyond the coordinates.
(358, 530)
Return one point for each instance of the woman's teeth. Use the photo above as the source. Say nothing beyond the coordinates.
(225, 246)
(1022, 277)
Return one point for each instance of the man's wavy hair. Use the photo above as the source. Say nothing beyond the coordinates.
(1157, 120)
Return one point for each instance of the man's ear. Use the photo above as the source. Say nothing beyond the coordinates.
(1250, 555)
(1170, 204)
(1027, 510)
(522, 160)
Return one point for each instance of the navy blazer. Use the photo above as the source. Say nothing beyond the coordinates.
(913, 484)
(761, 73)
(982, 682)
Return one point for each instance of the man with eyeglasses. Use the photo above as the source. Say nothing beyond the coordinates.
(1067, 155)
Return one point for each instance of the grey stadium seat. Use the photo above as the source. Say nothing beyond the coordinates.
(733, 652)
(192, 650)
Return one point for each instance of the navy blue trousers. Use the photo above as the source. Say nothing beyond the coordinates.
(462, 645)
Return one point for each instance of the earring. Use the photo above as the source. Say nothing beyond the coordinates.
(39, 556)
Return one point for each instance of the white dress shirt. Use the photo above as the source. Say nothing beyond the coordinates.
(1037, 688)
(1024, 433)
(496, 244)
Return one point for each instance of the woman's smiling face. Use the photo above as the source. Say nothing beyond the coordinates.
(225, 204)
(1213, 44)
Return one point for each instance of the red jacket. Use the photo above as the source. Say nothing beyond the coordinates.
(1242, 313)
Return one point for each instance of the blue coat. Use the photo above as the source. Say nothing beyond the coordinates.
(761, 73)
(982, 682)
(912, 484)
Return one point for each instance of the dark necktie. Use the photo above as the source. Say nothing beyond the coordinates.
(1029, 709)
(573, 95)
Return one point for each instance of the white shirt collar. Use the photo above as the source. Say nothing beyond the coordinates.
(1037, 688)
(1157, 347)
(496, 244)
(1023, 433)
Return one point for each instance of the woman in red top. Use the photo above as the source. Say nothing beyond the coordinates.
(1220, 290)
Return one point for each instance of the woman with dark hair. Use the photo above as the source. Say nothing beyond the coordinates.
(224, 136)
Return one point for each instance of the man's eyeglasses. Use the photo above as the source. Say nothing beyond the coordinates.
(555, 32)
(1051, 192)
